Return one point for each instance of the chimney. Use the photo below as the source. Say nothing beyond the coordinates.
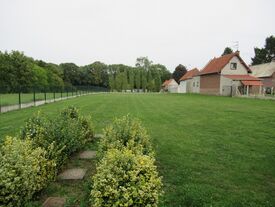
(237, 52)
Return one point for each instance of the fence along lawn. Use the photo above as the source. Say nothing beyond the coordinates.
(210, 150)
(13, 98)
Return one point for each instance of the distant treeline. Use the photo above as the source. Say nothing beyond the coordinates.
(21, 73)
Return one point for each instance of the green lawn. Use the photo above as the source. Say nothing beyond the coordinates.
(13, 98)
(211, 151)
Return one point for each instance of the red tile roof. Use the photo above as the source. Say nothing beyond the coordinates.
(252, 83)
(242, 77)
(217, 64)
(190, 74)
(166, 83)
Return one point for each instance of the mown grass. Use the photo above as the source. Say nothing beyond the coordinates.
(211, 151)
(13, 98)
(76, 192)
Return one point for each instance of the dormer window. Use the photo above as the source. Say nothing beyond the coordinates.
(233, 66)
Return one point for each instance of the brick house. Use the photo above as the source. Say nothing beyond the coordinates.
(267, 73)
(228, 75)
(187, 83)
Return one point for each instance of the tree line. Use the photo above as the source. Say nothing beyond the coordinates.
(19, 72)
(145, 76)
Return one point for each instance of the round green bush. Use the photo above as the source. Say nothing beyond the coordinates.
(125, 132)
(125, 179)
(24, 170)
(61, 135)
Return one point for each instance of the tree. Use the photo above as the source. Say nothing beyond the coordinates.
(22, 71)
(179, 71)
(227, 51)
(143, 80)
(70, 73)
(124, 80)
(112, 84)
(143, 62)
(157, 82)
(164, 73)
(99, 74)
(151, 81)
(137, 79)
(40, 80)
(131, 79)
(119, 81)
(266, 54)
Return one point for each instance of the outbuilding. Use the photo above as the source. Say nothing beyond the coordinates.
(187, 82)
(266, 72)
(170, 86)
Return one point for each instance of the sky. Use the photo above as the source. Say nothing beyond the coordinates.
(168, 32)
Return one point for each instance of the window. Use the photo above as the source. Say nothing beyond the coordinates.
(233, 66)
(193, 84)
(197, 83)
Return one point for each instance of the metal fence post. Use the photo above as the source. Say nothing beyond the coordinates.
(45, 96)
(54, 96)
(19, 99)
(34, 99)
(0, 104)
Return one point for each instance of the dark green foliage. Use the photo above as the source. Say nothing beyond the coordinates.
(227, 51)
(61, 135)
(266, 54)
(143, 80)
(70, 73)
(179, 71)
(19, 73)
(137, 79)
(145, 76)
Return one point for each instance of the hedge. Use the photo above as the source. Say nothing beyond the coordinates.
(126, 172)
(24, 170)
(125, 132)
(126, 179)
(61, 136)
(29, 163)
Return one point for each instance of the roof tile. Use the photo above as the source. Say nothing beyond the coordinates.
(217, 64)
(190, 74)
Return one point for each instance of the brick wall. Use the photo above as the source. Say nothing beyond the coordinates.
(210, 84)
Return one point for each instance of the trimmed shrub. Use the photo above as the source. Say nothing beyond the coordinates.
(60, 136)
(126, 179)
(24, 170)
(125, 132)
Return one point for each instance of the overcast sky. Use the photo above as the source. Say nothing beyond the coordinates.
(169, 32)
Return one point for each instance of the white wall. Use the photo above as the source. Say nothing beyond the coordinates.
(196, 89)
(173, 87)
(182, 87)
(241, 70)
(225, 86)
